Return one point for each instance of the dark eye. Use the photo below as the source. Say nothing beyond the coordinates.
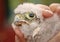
(31, 15)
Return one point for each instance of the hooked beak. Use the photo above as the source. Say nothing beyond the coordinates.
(19, 23)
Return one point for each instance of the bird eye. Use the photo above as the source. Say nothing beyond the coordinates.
(29, 15)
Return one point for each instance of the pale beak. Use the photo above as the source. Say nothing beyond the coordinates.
(19, 23)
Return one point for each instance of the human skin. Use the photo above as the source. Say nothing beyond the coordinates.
(55, 8)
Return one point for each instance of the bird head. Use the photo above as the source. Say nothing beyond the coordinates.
(28, 17)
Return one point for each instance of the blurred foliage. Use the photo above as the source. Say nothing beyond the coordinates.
(48, 2)
(13, 3)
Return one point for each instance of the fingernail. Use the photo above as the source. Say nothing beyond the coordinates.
(47, 13)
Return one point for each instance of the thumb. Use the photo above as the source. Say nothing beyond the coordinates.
(18, 33)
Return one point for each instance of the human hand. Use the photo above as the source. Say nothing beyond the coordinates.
(55, 8)
(18, 34)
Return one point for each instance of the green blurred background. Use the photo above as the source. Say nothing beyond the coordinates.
(12, 4)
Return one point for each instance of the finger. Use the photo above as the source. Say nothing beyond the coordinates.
(14, 26)
(16, 29)
(18, 33)
(55, 38)
(55, 7)
(46, 12)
